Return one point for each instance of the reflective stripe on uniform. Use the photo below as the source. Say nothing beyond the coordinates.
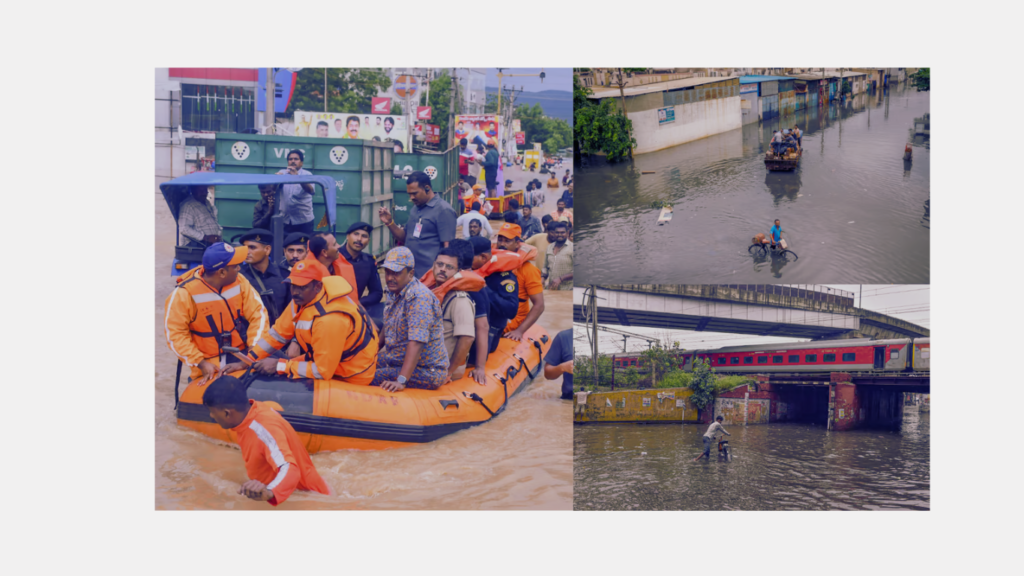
(263, 312)
(304, 325)
(280, 476)
(167, 330)
(264, 345)
(204, 298)
(268, 439)
(273, 334)
(232, 292)
(309, 370)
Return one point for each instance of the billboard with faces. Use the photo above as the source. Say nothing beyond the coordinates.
(477, 129)
(356, 126)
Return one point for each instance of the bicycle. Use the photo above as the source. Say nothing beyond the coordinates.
(780, 250)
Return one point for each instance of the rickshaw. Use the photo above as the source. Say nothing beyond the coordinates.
(177, 190)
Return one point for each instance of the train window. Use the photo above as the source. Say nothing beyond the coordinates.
(794, 358)
(894, 355)
(748, 360)
(777, 359)
(734, 360)
(762, 359)
(721, 359)
(829, 358)
(810, 358)
(849, 357)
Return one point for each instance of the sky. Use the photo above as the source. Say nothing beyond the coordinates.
(555, 79)
(910, 302)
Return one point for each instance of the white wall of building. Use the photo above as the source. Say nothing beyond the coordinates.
(693, 122)
(750, 108)
(169, 147)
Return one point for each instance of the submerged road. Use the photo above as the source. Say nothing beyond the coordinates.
(785, 466)
(520, 460)
(853, 211)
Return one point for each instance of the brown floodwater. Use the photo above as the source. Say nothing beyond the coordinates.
(520, 460)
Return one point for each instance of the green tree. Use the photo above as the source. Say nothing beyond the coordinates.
(440, 103)
(599, 126)
(703, 384)
(675, 379)
(630, 378)
(553, 134)
(922, 79)
(396, 108)
(846, 88)
(348, 89)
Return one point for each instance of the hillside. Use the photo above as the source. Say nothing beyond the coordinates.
(556, 103)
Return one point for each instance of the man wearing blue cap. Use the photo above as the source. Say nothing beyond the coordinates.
(262, 273)
(211, 307)
(413, 353)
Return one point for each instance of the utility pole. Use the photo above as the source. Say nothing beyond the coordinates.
(269, 103)
(325, 89)
(451, 111)
(501, 75)
(860, 297)
(593, 317)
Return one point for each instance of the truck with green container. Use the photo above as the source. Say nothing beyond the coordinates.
(364, 172)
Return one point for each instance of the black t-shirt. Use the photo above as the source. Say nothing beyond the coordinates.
(561, 351)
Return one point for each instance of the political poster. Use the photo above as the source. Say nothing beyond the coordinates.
(379, 127)
(433, 133)
(477, 129)
(520, 138)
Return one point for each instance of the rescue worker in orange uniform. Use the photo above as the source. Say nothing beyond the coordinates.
(213, 306)
(335, 336)
(531, 286)
(325, 248)
(276, 460)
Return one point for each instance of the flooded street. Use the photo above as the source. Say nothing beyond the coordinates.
(784, 466)
(853, 211)
(520, 460)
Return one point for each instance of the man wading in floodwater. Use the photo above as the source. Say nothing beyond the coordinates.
(709, 437)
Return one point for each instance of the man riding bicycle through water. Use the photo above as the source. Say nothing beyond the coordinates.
(775, 233)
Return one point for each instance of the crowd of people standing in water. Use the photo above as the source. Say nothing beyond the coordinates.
(308, 313)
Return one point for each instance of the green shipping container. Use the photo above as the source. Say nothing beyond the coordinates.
(362, 170)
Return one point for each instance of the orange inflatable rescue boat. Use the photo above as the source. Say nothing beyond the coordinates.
(333, 415)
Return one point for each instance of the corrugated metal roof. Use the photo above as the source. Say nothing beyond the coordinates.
(809, 76)
(754, 79)
(606, 92)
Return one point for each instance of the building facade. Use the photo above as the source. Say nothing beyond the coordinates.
(667, 114)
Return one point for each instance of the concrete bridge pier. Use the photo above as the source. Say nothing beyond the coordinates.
(852, 406)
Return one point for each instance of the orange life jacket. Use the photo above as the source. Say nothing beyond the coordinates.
(469, 203)
(340, 267)
(464, 280)
(526, 252)
(216, 313)
(360, 346)
(501, 261)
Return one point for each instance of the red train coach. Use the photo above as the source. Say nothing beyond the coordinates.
(858, 355)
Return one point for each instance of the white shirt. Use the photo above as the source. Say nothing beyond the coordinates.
(474, 169)
(714, 430)
(466, 218)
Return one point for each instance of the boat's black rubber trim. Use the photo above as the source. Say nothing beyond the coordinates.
(309, 423)
(325, 426)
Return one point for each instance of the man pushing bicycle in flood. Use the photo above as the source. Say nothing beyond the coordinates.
(774, 236)
(710, 436)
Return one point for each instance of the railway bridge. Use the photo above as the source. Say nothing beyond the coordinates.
(813, 312)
